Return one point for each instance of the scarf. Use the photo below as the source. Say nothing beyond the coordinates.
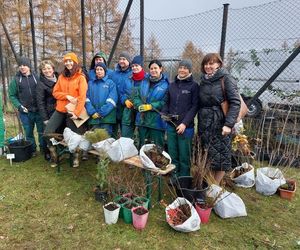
(183, 78)
(155, 79)
(52, 79)
(207, 76)
(139, 76)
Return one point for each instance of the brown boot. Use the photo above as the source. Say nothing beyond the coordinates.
(53, 156)
(76, 159)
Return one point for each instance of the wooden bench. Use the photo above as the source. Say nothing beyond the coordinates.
(133, 161)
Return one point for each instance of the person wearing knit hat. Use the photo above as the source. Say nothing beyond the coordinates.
(69, 90)
(120, 75)
(101, 100)
(23, 96)
(179, 111)
(99, 57)
(130, 88)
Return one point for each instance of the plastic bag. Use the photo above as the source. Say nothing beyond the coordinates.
(268, 180)
(75, 140)
(146, 160)
(247, 179)
(191, 224)
(228, 205)
(122, 149)
(103, 146)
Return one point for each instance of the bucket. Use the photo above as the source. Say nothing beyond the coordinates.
(139, 220)
(111, 216)
(204, 213)
(22, 150)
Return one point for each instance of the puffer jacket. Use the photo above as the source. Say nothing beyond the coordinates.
(46, 101)
(102, 98)
(75, 86)
(211, 118)
(182, 101)
(211, 96)
(153, 93)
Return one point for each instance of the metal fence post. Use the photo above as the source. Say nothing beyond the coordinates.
(224, 27)
(83, 34)
(142, 30)
(3, 75)
(33, 35)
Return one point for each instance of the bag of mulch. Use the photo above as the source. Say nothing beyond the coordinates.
(75, 140)
(189, 225)
(246, 179)
(227, 205)
(268, 180)
(147, 162)
(122, 149)
(103, 146)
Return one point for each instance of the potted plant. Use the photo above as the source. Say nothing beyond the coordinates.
(139, 217)
(204, 207)
(288, 190)
(120, 200)
(142, 201)
(111, 212)
(127, 213)
(100, 190)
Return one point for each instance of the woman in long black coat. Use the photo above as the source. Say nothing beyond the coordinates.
(214, 128)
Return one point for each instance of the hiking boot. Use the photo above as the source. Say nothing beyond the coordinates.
(76, 160)
(84, 156)
(53, 154)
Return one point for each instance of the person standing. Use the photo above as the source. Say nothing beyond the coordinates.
(99, 57)
(45, 100)
(127, 94)
(101, 100)
(119, 76)
(179, 111)
(22, 94)
(214, 128)
(71, 87)
(150, 99)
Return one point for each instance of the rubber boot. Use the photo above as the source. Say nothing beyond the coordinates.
(53, 157)
(76, 159)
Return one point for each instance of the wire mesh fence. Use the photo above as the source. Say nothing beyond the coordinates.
(258, 40)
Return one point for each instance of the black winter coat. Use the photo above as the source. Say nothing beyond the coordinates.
(46, 101)
(211, 118)
(182, 100)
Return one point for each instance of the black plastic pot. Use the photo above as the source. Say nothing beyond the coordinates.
(100, 195)
(22, 150)
(184, 188)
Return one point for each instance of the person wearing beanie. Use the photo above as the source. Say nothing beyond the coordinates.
(119, 76)
(127, 94)
(150, 99)
(98, 57)
(71, 87)
(101, 100)
(45, 99)
(215, 127)
(179, 111)
(23, 96)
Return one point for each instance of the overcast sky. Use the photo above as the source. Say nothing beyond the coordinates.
(164, 9)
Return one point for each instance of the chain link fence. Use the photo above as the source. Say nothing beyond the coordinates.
(258, 40)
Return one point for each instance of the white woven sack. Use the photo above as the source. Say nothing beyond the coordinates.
(122, 149)
(146, 160)
(245, 180)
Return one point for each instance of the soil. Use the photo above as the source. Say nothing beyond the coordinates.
(130, 196)
(122, 200)
(290, 186)
(140, 211)
(242, 170)
(129, 205)
(111, 207)
(156, 156)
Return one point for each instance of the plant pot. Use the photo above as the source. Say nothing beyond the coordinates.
(142, 201)
(184, 188)
(139, 217)
(100, 195)
(111, 212)
(127, 214)
(120, 200)
(288, 194)
(22, 150)
(130, 196)
(204, 213)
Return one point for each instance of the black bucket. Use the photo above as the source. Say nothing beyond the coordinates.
(184, 188)
(22, 150)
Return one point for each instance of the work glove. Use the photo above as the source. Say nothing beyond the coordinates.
(128, 104)
(21, 108)
(166, 118)
(95, 116)
(145, 107)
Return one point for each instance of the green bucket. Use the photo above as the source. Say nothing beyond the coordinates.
(142, 201)
(127, 214)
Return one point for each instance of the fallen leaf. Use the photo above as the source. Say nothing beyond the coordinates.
(276, 225)
(68, 194)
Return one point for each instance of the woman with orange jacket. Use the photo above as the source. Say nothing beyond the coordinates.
(71, 87)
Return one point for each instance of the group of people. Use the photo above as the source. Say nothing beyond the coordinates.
(129, 99)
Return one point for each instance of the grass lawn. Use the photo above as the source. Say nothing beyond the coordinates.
(40, 209)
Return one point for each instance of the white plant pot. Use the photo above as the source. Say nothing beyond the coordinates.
(111, 217)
